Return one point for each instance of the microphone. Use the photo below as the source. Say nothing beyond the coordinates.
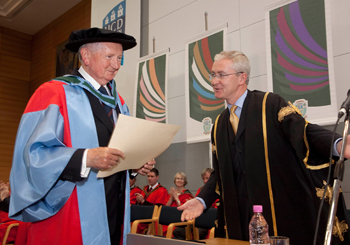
(345, 106)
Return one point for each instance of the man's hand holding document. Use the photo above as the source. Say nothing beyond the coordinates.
(140, 140)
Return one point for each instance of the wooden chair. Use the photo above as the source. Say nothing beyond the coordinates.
(205, 221)
(140, 214)
(8, 232)
(171, 217)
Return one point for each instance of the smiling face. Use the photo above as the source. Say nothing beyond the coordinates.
(102, 60)
(230, 87)
(179, 181)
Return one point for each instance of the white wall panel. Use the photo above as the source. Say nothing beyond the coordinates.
(258, 83)
(254, 46)
(174, 29)
(160, 8)
(178, 116)
(342, 78)
(340, 22)
(233, 41)
(176, 75)
(252, 11)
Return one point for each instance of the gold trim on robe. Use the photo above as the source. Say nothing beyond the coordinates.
(273, 213)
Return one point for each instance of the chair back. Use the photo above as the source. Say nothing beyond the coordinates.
(169, 215)
(4, 240)
(138, 212)
(207, 219)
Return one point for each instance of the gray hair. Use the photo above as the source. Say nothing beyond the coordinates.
(93, 47)
(206, 170)
(240, 62)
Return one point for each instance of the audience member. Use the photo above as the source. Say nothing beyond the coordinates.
(152, 194)
(133, 190)
(5, 221)
(179, 195)
(203, 233)
(205, 177)
(4, 196)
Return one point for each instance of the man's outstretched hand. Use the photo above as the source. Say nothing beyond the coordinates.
(191, 209)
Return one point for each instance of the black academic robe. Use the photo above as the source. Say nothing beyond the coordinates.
(277, 160)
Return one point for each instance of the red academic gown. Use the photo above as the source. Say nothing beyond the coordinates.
(5, 221)
(215, 204)
(133, 191)
(184, 196)
(157, 196)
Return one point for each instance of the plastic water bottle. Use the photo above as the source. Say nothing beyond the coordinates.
(258, 227)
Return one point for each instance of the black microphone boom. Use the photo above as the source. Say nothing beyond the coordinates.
(345, 106)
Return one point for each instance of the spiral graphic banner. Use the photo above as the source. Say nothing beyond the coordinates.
(151, 88)
(202, 106)
(300, 58)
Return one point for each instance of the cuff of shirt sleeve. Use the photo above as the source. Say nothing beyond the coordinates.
(202, 201)
(84, 170)
(335, 152)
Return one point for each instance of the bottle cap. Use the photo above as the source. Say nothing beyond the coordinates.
(257, 209)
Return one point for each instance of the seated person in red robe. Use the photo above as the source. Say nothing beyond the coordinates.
(179, 233)
(5, 221)
(152, 194)
(205, 176)
(133, 190)
(177, 197)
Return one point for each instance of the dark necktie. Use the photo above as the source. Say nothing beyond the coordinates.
(150, 189)
(108, 109)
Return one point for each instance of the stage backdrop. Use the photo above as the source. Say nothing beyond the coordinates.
(202, 107)
(300, 58)
(151, 87)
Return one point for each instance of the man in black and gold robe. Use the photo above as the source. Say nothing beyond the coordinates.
(274, 158)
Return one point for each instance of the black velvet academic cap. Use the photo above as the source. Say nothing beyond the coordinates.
(95, 35)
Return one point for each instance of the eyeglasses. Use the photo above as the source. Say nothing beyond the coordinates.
(221, 75)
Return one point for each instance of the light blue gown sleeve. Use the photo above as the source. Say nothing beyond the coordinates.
(39, 159)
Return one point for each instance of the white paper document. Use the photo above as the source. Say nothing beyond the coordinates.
(140, 140)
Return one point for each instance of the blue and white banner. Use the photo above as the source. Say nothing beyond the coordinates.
(115, 19)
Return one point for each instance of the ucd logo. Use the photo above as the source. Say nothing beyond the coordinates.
(302, 105)
(207, 123)
(115, 19)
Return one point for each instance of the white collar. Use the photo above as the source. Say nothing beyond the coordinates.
(153, 186)
(89, 78)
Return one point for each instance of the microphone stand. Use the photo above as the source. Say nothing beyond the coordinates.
(338, 178)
